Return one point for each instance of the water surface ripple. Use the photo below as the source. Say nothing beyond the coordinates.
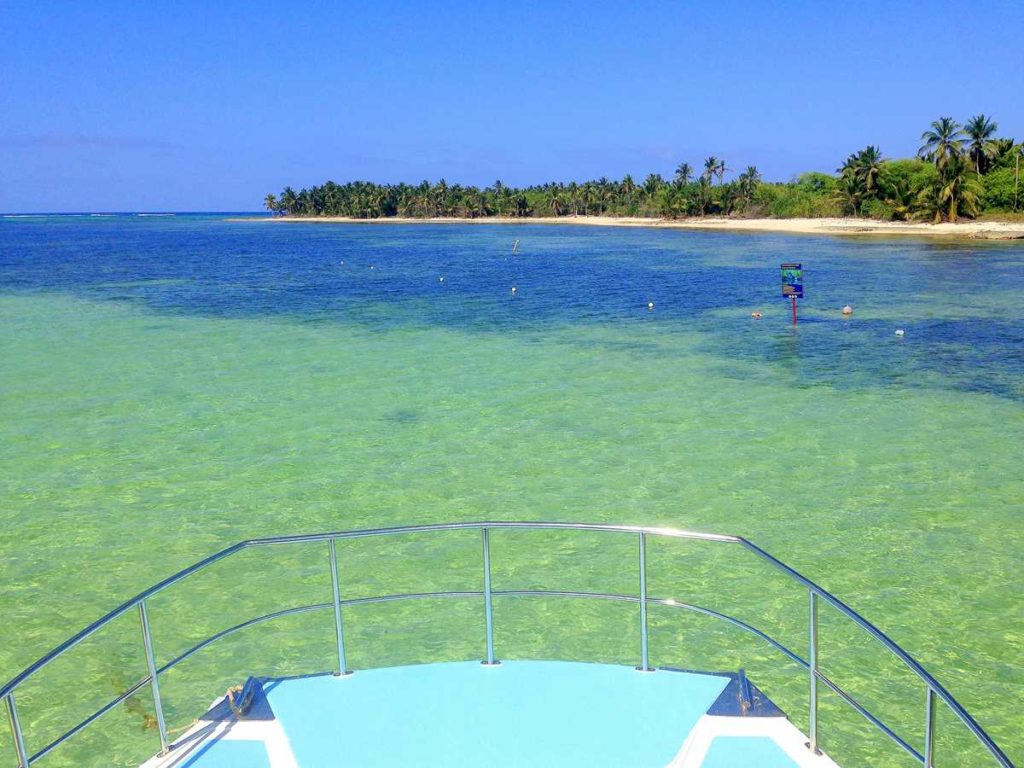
(173, 385)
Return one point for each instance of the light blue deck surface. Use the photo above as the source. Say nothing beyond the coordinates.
(517, 714)
(230, 754)
(733, 751)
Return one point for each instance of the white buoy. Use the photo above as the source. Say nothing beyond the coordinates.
(650, 305)
(343, 262)
(900, 332)
(513, 290)
(441, 279)
(847, 310)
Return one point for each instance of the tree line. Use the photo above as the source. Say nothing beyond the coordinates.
(959, 171)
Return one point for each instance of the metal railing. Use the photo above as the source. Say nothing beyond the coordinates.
(933, 690)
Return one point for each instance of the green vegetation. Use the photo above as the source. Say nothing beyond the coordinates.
(960, 171)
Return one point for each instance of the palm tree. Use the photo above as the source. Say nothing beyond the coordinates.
(628, 188)
(406, 201)
(850, 189)
(499, 195)
(481, 203)
(859, 177)
(869, 167)
(375, 202)
(955, 191)
(289, 200)
(440, 197)
(961, 189)
(710, 168)
(983, 148)
(522, 206)
(652, 184)
(506, 198)
(603, 186)
(304, 202)
(423, 198)
(704, 195)
(1002, 147)
(720, 170)
(942, 142)
(683, 174)
(554, 200)
(749, 180)
(574, 197)
(270, 202)
(1016, 178)
(900, 199)
(454, 199)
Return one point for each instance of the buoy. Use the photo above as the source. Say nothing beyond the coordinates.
(650, 305)
(900, 332)
(343, 262)
(515, 247)
(513, 290)
(847, 310)
(756, 315)
(441, 279)
(372, 267)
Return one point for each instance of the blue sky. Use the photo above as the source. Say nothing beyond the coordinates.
(209, 106)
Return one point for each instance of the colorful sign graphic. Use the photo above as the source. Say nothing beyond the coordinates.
(793, 280)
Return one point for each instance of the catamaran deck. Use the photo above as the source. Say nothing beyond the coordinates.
(519, 713)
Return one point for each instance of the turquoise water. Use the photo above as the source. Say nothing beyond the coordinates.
(173, 385)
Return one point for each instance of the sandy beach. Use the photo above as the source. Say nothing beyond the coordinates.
(981, 230)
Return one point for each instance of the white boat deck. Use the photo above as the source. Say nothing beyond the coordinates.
(525, 713)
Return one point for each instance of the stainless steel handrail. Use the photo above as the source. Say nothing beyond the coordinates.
(934, 690)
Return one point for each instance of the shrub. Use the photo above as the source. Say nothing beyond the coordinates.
(878, 209)
(807, 197)
(997, 189)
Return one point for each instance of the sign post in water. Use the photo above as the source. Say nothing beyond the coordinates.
(793, 284)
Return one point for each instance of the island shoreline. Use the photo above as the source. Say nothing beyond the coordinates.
(977, 230)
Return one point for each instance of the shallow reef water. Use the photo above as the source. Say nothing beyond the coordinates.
(173, 385)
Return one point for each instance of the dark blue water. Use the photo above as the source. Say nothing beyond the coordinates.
(958, 302)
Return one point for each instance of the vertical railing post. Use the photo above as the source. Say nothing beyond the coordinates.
(929, 729)
(339, 631)
(154, 682)
(488, 610)
(19, 737)
(645, 665)
(812, 730)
